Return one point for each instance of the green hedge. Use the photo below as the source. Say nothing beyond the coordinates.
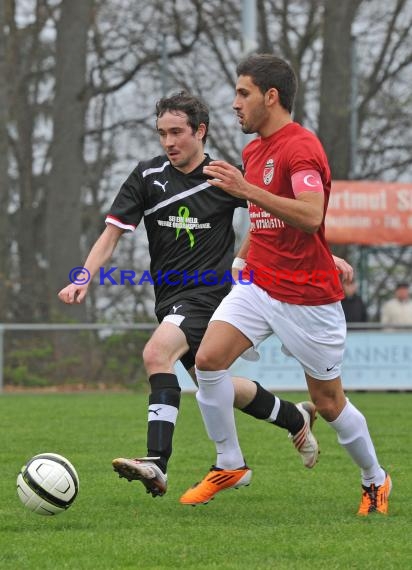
(40, 359)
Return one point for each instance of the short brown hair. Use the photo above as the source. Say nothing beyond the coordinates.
(196, 110)
(267, 71)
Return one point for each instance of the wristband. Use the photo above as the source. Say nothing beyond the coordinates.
(238, 263)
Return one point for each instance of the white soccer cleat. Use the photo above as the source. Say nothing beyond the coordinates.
(142, 469)
(304, 441)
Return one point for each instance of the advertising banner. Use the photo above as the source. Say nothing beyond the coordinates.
(374, 360)
(369, 213)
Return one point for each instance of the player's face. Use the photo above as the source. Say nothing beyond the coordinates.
(249, 105)
(184, 148)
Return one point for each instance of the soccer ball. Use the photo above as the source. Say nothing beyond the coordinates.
(48, 484)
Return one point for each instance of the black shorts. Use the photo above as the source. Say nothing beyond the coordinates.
(196, 315)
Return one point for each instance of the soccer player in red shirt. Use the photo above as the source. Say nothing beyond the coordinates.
(295, 293)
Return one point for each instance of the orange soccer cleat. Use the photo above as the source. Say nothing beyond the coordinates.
(375, 498)
(216, 480)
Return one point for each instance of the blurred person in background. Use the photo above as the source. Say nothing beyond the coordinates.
(398, 310)
(353, 305)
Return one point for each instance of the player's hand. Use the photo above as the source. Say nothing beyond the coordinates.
(344, 268)
(236, 274)
(73, 293)
(227, 177)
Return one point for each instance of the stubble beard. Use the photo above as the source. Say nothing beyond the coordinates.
(246, 130)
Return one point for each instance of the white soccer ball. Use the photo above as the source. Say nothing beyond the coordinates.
(48, 484)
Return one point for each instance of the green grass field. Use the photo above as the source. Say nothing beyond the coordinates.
(288, 518)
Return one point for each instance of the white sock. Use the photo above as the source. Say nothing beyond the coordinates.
(353, 435)
(215, 398)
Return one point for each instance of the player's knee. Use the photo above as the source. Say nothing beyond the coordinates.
(153, 356)
(328, 408)
(207, 360)
(325, 409)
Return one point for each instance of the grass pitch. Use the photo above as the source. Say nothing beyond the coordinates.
(288, 518)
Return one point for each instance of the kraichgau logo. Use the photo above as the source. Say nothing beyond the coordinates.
(268, 171)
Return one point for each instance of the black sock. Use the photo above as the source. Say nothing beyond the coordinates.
(262, 404)
(289, 417)
(261, 407)
(164, 402)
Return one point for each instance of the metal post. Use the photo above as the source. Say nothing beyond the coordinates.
(249, 32)
(361, 272)
(164, 55)
(354, 111)
(164, 66)
(249, 45)
(1, 357)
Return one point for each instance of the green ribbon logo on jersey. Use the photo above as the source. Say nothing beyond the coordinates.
(184, 213)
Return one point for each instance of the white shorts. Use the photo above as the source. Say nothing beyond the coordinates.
(314, 335)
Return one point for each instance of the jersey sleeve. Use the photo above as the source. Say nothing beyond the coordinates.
(241, 203)
(306, 154)
(128, 206)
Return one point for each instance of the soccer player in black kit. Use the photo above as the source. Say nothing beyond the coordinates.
(191, 240)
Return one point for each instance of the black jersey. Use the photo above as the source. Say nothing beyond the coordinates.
(189, 227)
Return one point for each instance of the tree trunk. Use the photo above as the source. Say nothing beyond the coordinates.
(67, 174)
(335, 90)
(20, 66)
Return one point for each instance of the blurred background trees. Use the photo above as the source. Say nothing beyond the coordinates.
(78, 83)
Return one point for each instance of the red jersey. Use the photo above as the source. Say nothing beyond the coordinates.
(291, 265)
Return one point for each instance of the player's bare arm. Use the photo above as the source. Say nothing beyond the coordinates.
(100, 253)
(239, 262)
(244, 247)
(304, 212)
